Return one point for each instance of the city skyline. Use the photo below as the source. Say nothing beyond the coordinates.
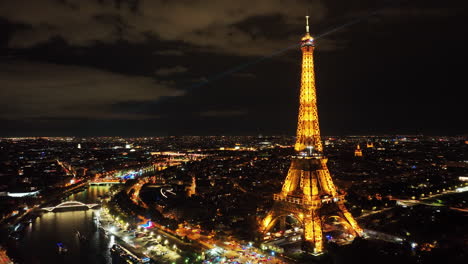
(138, 131)
(136, 68)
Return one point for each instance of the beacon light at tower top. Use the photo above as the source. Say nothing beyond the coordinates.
(307, 40)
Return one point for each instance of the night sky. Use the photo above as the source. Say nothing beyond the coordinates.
(195, 67)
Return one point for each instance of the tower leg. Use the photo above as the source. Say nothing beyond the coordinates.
(350, 218)
(267, 222)
(318, 235)
(313, 232)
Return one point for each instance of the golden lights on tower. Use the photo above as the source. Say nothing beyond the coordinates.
(308, 131)
(308, 185)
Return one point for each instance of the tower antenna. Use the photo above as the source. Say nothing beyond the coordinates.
(307, 23)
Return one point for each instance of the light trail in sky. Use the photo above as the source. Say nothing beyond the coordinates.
(281, 51)
(243, 66)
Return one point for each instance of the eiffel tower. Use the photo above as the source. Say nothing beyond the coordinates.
(308, 193)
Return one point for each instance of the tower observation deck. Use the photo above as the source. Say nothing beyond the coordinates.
(308, 193)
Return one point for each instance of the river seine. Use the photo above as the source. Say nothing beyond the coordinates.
(39, 244)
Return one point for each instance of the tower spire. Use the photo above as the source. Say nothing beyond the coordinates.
(308, 131)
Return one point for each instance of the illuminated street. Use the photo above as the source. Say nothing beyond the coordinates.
(149, 242)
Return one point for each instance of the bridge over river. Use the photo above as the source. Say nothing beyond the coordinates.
(71, 205)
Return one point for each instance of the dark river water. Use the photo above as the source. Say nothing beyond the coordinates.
(39, 242)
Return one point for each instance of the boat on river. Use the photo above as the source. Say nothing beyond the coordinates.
(61, 248)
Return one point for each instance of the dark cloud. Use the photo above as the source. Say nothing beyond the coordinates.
(418, 12)
(56, 91)
(169, 52)
(171, 70)
(205, 23)
(247, 75)
(223, 113)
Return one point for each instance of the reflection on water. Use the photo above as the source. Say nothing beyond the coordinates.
(39, 244)
(90, 195)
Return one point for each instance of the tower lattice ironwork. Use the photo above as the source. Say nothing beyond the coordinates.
(308, 192)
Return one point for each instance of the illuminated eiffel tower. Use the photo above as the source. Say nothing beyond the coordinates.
(308, 193)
